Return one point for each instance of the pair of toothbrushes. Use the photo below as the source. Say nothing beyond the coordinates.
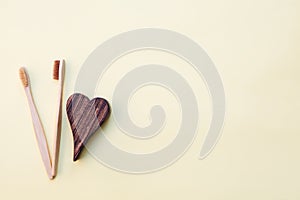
(58, 74)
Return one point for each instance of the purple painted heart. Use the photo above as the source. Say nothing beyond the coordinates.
(85, 117)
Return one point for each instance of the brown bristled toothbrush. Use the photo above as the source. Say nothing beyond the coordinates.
(59, 75)
(38, 127)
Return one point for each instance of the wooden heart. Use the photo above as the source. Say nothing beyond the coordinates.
(85, 117)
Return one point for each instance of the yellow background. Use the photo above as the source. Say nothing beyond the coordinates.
(255, 46)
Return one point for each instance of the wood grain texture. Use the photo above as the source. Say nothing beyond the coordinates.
(85, 117)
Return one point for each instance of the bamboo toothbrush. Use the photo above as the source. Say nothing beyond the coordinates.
(38, 127)
(58, 74)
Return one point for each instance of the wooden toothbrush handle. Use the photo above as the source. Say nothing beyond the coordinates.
(39, 133)
(57, 135)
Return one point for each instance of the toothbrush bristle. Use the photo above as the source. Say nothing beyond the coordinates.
(56, 70)
(23, 76)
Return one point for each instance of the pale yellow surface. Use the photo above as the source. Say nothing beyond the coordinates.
(255, 46)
